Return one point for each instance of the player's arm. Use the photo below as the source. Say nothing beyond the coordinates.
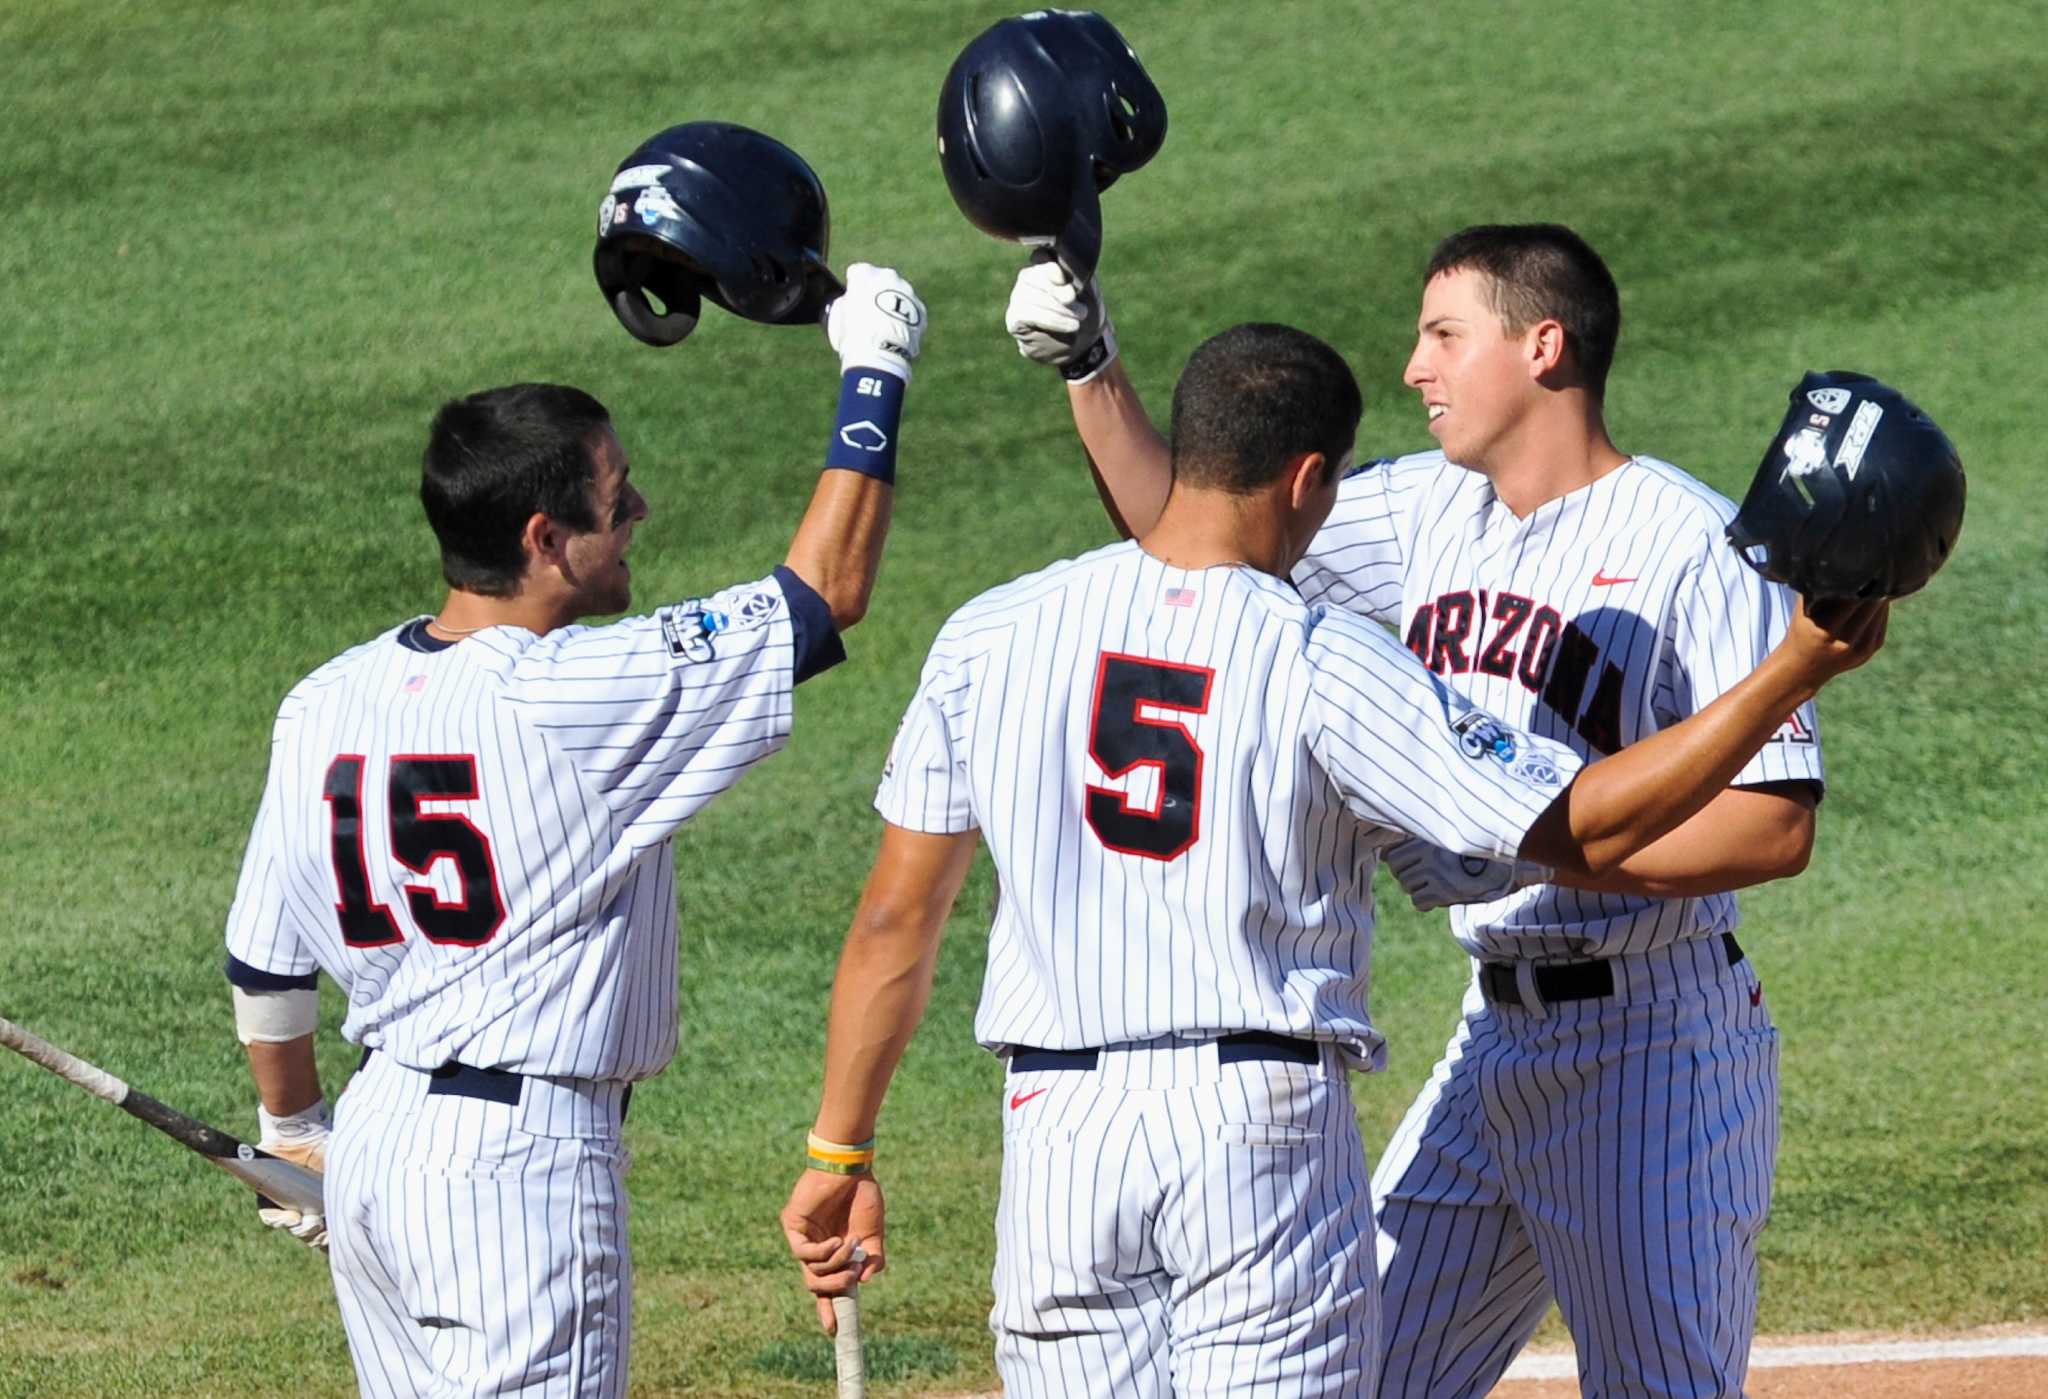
(1743, 837)
(1626, 801)
(878, 997)
(1725, 621)
(876, 328)
(273, 985)
(1068, 327)
(1409, 755)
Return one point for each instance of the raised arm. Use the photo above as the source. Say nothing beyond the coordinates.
(1068, 327)
(877, 328)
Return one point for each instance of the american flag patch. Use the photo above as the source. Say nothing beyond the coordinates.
(415, 683)
(1180, 597)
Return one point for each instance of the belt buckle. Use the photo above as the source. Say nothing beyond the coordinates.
(1512, 984)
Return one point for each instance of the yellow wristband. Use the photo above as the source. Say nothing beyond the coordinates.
(840, 1158)
(840, 1168)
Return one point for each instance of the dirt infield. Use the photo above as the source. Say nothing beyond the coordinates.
(1977, 1365)
(2006, 1362)
(2011, 1377)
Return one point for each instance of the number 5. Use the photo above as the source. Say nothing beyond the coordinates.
(1122, 740)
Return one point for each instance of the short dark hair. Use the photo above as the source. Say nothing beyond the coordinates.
(1255, 398)
(1538, 272)
(493, 461)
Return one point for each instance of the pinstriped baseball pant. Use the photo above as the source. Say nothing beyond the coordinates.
(1616, 1154)
(1172, 1225)
(479, 1248)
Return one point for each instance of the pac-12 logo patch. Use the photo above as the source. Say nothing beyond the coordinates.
(1480, 735)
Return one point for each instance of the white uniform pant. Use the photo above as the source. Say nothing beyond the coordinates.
(1173, 1225)
(1614, 1153)
(479, 1248)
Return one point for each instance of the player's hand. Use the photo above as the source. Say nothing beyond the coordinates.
(1058, 323)
(1436, 878)
(878, 323)
(1833, 636)
(302, 1140)
(834, 1227)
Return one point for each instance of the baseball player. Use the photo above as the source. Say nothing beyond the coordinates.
(468, 825)
(1184, 773)
(1603, 1126)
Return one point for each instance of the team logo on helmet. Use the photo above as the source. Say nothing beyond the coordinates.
(604, 213)
(655, 204)
(1829, 400)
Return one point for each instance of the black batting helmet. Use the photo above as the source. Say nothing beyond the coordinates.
(1860, 495)
(713, 209)
(1038, 116)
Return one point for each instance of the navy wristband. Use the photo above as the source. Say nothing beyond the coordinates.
(864, 437)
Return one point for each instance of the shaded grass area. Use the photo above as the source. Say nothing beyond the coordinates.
(251, 252)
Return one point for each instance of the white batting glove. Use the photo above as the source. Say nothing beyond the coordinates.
(1437, 878)
(878, 324)
(301, 1139)
(1058, 323)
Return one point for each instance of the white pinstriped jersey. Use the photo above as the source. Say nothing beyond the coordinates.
(474, 841)
(1184, 778)
(1606, 615)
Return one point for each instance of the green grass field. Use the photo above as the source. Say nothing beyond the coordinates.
(247, 251)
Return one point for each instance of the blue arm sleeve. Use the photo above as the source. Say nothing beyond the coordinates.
(818, 647)
(249, 978)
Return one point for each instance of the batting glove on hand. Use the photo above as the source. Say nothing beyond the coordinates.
(1437, 878)
(1058, 323)
(301, 1139)
(878, 323)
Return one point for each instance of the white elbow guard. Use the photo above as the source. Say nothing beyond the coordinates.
(272, 1017)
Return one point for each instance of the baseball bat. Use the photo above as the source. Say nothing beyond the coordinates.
(280, 1181)
(848, 1358)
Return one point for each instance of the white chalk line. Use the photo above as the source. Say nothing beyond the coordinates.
(1767, 1357)
(1551, 1366)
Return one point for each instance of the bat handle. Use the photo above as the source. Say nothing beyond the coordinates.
(850, 1360)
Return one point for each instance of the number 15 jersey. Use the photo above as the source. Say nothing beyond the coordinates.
(1184, 778)
(474, 840)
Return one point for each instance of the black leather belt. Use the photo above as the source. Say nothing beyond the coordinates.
(1566, 981)
(491, 1085)
(1230, 1049)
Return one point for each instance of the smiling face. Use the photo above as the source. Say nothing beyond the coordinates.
(595, 567)
(1477, 379)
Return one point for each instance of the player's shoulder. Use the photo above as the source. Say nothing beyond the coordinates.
(1042, 588)
(340, 670)
(1409, 471)
(1669, 493)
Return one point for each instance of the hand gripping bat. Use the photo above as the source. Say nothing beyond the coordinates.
(280, 1181)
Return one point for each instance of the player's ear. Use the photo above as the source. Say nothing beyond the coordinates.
(1548, 350)
(544, 541)
(1306, 475)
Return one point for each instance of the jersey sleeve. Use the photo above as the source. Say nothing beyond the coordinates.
(1407, 753)
(925, 781)
(265, 951)
(1726, 618)
(1354, 561)
(662, 713)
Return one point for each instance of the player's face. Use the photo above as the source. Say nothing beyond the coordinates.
(1473, 376)
(597, 558)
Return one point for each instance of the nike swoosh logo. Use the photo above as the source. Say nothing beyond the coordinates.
(1018, 1100)
(1601, 580)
